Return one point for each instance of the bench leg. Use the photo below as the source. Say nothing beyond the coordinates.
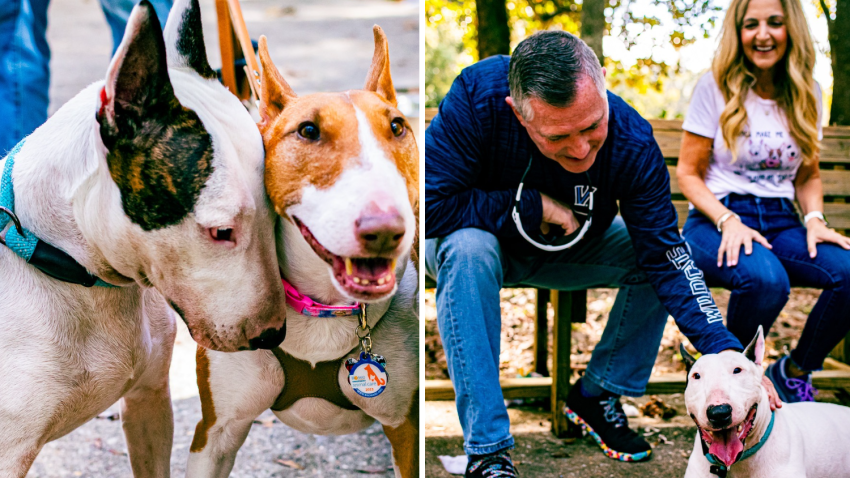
(541, 334)
(841, 352)
(567, 306)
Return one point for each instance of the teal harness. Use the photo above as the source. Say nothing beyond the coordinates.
(719, 469)
(48, 259)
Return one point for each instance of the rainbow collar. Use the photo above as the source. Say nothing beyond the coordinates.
(307, 306)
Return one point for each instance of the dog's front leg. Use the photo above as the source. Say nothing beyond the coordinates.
(149, 429)
(405, 442)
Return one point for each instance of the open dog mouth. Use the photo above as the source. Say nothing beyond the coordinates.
(364, 278)
(728, 444)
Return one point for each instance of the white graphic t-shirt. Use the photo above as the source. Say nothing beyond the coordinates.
(768, 156)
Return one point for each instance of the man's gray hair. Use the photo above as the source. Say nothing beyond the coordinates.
(548, 66)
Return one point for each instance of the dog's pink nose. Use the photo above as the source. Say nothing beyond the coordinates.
(379, 230)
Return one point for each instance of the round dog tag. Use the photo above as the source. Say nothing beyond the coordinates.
(367, 376)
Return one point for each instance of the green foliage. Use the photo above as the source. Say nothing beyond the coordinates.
(451, 33)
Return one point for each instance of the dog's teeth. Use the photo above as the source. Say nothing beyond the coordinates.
(356, 280)
(740, 427)
(392, 265)
(349, 268)
(381, 281)
(364, 282)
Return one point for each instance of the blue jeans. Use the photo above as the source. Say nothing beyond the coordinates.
(470, 268)
(25, 57)
(760, 282)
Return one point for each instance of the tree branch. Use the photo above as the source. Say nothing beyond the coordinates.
(825, 8)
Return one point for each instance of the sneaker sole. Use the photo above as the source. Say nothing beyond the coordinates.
(609, 452)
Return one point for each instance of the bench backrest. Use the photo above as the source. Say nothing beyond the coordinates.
(834, 165)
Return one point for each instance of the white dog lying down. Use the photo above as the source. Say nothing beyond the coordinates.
(153, 183)
(741, 436)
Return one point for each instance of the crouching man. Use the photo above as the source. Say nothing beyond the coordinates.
(525, 165)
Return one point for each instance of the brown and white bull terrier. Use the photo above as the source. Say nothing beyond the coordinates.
(151, 181)
(342, 172)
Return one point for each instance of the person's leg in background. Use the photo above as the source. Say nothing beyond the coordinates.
(467, 266)
(24, 69)
(117, 13)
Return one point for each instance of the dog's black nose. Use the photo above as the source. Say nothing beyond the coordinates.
(269, 339)
(719, 415)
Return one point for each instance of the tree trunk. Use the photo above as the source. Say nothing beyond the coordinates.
(494, 37)
(840, 46)
(593, 25)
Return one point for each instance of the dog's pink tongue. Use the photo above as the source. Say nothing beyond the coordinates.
(726, 446)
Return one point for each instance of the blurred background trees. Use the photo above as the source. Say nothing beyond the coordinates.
(647, 46)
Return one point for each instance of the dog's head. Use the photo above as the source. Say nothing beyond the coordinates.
(343, 168)
(723, 395)
(186, 160)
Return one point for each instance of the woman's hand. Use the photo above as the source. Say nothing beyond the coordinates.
(817, 232)
(736, 234)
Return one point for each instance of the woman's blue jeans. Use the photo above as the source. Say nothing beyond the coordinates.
(760, 282)
(25, 58)
(470, 267)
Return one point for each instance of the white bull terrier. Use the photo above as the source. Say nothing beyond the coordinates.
(342, 172)
(148, 187)
(739, 436)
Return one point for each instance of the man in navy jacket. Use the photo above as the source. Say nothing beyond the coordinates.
(543, 116)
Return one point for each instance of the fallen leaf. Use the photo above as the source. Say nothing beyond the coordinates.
(560, 454)
(289, 464)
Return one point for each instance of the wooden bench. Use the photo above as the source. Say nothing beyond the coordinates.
(572, 306)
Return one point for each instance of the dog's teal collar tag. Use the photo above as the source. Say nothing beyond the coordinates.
(719, 469)
(46, 258)
(367, 375)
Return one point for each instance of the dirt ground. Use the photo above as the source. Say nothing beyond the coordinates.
(321, 45)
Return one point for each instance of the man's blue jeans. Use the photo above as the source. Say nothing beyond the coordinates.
(760, 282)
(25, 57)
(470, 268)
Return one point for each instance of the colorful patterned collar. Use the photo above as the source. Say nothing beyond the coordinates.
(307, 306)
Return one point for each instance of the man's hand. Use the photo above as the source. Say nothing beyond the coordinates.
(557, 213)
(772, 396)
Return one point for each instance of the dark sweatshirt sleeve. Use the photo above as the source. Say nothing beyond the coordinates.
(665, 257)
(455, 152)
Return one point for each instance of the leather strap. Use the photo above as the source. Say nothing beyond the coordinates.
(303, 381)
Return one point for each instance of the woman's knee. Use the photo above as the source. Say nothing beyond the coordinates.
(765, 280)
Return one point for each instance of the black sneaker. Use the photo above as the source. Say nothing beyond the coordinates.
(603, 418)
(495, 465)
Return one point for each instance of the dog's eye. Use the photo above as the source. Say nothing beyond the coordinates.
(695, 376)
(308, 131)
(397, 126)
(223, 234)
(737, 370)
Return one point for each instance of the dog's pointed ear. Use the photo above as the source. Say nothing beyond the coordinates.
(184, 38)
(755, 351)
(275, 92)
(687, 358)
(379, 79)
(137, 78)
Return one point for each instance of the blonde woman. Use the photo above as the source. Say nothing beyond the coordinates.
(750, 146)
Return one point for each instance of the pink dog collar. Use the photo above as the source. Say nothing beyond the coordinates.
(306, 306)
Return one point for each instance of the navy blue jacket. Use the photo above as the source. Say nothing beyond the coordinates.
(476, 152)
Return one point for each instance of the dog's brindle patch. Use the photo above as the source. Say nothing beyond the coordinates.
(208, 417)
(190, 41)
(158, 152)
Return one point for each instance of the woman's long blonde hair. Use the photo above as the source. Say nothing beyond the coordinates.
(795, 87)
